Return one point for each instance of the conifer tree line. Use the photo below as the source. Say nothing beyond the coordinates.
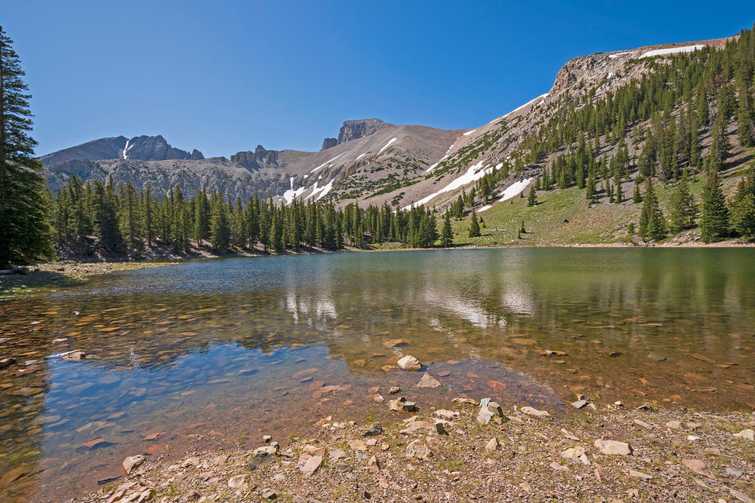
(119, 219)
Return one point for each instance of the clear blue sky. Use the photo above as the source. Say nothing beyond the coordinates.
(224, 76)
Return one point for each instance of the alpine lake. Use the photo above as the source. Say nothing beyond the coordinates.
(217, 353)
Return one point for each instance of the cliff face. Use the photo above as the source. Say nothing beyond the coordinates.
(355, 129)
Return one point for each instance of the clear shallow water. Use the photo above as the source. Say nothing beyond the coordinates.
(217, 353)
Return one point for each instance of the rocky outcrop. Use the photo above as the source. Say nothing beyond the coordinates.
(196, 155)
(259, 159)
(355, 129)
(328, 143)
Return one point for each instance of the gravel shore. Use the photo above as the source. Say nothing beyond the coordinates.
(471, 451)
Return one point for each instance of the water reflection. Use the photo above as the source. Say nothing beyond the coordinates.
(210, 353)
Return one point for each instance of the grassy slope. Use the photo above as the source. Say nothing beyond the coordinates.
(563, 217)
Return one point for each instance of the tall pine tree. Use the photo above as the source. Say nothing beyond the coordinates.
(25, 234)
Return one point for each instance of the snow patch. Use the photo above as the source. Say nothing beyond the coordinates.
(126, 148)
(469, 132)
(361, 155)
(390, 142)
(619, 54)
(511, 191)
(445, 156)
(326, 163)
(672, 50)
(475, 172)
(320, 192)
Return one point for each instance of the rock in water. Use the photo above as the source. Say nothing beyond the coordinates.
(531, 411)
(133, 462)
(428, 381)
(409, 362)
(613, 447)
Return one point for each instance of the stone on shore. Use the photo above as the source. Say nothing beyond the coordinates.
(237, 482)
(402, 404)
(133, 462)
(418, 449)
(747, 434)
(488, 411)
(409, 362)
(531, 411)
(492, 445)
(613, 447)
(265, 451)
(577, 453)
(309, 464)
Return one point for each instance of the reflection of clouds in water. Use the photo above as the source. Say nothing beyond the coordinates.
(310, 309)
(467, 310)
(518, 301)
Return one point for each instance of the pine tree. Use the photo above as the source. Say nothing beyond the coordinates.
(447, 233)
(532, 197)
(714, 222)
(636, 196)
(683, 211)
(652, 223)
(25, 234)
(220, 232)
(743, 206)
(474, 226)
(106, 217)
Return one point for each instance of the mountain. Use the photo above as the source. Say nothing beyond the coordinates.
(374, 162)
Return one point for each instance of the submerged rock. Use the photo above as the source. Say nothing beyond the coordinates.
(428, 381)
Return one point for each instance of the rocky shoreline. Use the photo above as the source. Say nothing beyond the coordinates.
(51, 275)
(473, 450)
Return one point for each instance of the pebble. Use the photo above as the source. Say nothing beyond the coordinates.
(492, 445)
(237, 482)
(579, 404)
(375, 429)
(394, 390)
(639, 475)
(269, 494)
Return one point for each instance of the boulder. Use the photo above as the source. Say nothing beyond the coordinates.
(309, 464)
(488, 411)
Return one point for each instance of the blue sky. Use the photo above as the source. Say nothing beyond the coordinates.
(225, 76)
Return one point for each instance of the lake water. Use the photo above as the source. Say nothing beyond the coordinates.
(217, 353)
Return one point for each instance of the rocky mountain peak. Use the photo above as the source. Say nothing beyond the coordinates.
(328, 143)
(359, 128)
(259, 159)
